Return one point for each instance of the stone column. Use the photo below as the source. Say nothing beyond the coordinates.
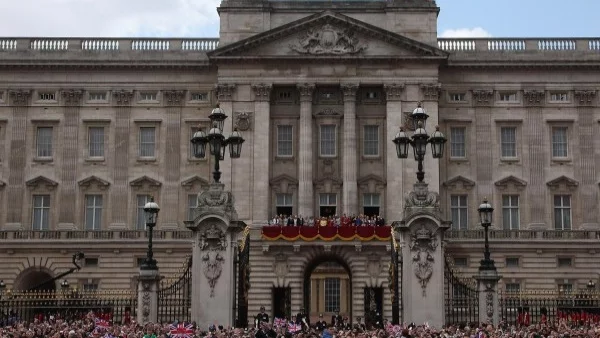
(585, 167)
(70, 155)
(534, 128)
(225, 92)
(306, 199)
(394, 166)
(261, 154)
(483, 100)
(147, 302)
(172, 163)
(19, 101)
(487, 286)
(350, 148)
(120, 188)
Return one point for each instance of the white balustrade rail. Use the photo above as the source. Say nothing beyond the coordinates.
(518, 44)
(109, 44)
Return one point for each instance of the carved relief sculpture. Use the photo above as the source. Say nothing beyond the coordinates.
(243, 120)
(213, 240)
(145, 301)
(423, 244)
(328, 40)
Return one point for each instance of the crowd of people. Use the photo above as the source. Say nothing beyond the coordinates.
(334, 221)
(92, 325)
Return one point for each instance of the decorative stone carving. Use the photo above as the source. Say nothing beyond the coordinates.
(213, 239)
(19, 97)
(483, 97)
(328, 40)
(534, 97)
(262, 92)
(585, 97)
(423, 244)
(216, 201)
(306, 91)
(174, 97)
(225, 91)
(407, 121)
(243, 120)
(146, 299)
(328, 112)
(421, 197)
(213, 267)
(489, 304)
(72, 97)
(349, 90)
(123, 97)
(393, 91)
(431, 91)
(281, 266)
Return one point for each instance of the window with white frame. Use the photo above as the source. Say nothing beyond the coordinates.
(327, 204)
(508, 142)
(560, 143)
(513, 287)
(332, 294)
(458, 142)
(192, 205)
(148, 96)
(559, 97)
(327, 140)
(564, 262)
(458, 97)
(97, 96)
(285, 143)
(147, 141)
(43, 142)
(41, 212)
(371, 140)
(140, 218)
(199, 96)
(284, 204)
(512, 262)
(93, 212)
(47, 96)
(459, 211)
(96, 141)
(371, 204)
(510, 212)
(508, 97)
(562, 212)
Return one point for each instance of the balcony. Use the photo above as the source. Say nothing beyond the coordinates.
(326, 233)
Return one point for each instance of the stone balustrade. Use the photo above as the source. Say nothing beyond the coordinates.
(518, 44)
(108, 44)
(104, 235)
(523, 235)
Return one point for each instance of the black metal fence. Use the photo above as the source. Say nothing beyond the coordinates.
(175, 297)
(461, 298)
(243, 282)
(117, 306)
(516, 307)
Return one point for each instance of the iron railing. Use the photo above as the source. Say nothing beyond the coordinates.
(175, 297)
(461, 297)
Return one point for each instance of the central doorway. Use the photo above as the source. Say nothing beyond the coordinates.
(328, 289)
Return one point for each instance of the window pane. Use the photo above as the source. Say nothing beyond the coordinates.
(44, 142)
(96, 142)
(147, 141)
(371, 141)
(140, 219)
(192, 204)
(328, 140)
(284, 200)
(284, 140)
(41, 212)
(332, 294)
(458, 211)
(93, 212)
(559, 142)
(508, 138)
(457, 142)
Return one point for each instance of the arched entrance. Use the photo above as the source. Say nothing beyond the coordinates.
(327, 288)
(35, 278)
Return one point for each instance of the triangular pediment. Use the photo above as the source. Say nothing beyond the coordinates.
(86, 182)
(371, 178)
(511, 180)
(283, 178)
(562, 180)
(194, 180)
(327, 35)
(459, 180)
(332, 180)
(145, 181)
(41, 181)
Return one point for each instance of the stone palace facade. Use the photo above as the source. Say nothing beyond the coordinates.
(90, 128)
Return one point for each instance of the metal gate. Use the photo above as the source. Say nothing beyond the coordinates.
(461, 298)
(243, 283)
(175, 297)
(395, 278)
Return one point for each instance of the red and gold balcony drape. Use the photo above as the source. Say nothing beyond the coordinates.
(327, 233)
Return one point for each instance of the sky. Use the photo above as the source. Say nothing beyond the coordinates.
(199, 18)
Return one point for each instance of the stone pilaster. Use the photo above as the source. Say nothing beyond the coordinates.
(147, 302)
(120, 188)
(482, 102)
(487, 286)
(225, 96)
(261, 154)
(430, 91)
(171, 186)
(394, 166)
(350, 148)
(306, 199)
(68, 168)
(534, 128)
(585, 166)
(19, 102)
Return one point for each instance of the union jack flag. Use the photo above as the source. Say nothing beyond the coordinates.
(294, 327)
(101, 323)
(279, 322)
(181, 330)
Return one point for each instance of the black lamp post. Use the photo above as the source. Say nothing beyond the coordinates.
(485, 216)
(2, 287)
(64, 285)
(151, 210)
(591, 285)
(217, 142)
(419, 140)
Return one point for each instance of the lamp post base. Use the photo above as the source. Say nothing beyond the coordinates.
(487, 265)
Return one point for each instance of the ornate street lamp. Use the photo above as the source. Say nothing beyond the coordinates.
(217, 143)
(419, 141)
(64, 285)
(591, 285)
(151, 210)
(485, 217)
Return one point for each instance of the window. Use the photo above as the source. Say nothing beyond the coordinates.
(47, 96)
(457, 142)
(458, 209)
(458, 97)
(140, 220)
(562, 212)
(44, 142)
(371, 204)
(559, 142)
(327, 204)
(559, 97)
(328, 140)
(508, 97)
(508, 141)
(147, 141)
(199, 96)
(371, 95)
(512, 262)
(192, 205)
(513, 287)
(89, 287)
(284, 204)
(97, 96)
(461, 262)
(332, 294)
(285, 95)
(371, 141)
(41, 212)
(565, 287)
(93, 212)
(285, 142)
(510, 212)
(91, 262)
(96, 141)
(148, 96)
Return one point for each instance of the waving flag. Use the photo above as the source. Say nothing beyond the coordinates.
(181, 330)
(292, 327)
(279, 322)
(101, 323)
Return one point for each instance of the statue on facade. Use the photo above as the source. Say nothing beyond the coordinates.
(423, 244)
(328, 40)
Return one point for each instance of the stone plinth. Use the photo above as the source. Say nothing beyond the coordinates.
(148, 282)
(487, 286)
